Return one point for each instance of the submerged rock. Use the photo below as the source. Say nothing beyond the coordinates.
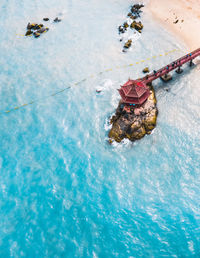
(129, 14)
(38, 26)
(128, 43)
(121, 29)
(28, 33)
(133, 17)
(137, 26)
(136, 122)
(42, 30)
(31, 26)
(36, 34)
(146, 70)
(125, 25)
(57, 20)
(137, 6)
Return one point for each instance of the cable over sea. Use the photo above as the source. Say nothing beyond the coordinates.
(64, 191)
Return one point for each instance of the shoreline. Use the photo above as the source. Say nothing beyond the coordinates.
(181, 17)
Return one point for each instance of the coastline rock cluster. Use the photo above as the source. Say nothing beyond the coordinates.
(138, 26)
(37, 29)
(136, 123)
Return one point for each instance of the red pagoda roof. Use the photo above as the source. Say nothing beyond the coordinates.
(134, 92)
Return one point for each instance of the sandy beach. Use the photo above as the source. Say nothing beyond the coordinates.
(182, 17)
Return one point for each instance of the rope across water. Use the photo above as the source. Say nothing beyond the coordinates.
(79, 82)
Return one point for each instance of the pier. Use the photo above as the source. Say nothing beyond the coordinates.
(136, 92)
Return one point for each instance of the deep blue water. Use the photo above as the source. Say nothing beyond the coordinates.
(64, 191)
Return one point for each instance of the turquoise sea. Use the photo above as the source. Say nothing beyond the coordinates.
(64, 191)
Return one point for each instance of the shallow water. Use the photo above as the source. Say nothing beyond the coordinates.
(64, 191)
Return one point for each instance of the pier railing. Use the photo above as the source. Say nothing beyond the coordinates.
(168, 68)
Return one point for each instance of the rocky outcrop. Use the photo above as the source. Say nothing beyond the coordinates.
(57, 19)
(29, 32)
(136, 25)
(128, 43)
(136, 122)
(133, 14)
(136, 9)
(146, 70)
(37, 29)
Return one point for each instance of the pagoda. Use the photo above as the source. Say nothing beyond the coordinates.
(134, 92)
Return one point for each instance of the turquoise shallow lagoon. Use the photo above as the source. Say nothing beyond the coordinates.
(64, 192)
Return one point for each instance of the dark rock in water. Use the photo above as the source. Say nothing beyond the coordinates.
(135, 123)
(146, 70)
(37, 27)
(121, 29)
(57, 20)
(28, 33)
(45, 19)
(135, 9)
(125, 25)
(136, 25)
(128, 43)
(133, 17)
(42, 30)
(31, 26)
(36, 34)
(137, 6)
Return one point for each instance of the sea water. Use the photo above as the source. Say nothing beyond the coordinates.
(64, 191)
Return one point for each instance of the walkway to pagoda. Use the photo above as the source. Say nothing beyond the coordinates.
(168, 68)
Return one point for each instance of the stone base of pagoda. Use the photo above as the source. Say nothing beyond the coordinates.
(134, 123)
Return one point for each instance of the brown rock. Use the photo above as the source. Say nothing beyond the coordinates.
(121, 29)
(128, 43)
(42, 30)
(31, 26)
(125, 25)
(57, 20)
(39, 26)
(28, 33)
(135, 125)
(136, 25)
(36, 34)
(146, 70)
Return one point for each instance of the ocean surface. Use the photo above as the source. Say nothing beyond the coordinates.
(64, 191)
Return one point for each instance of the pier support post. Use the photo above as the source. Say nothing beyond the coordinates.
(179, 70)
(191, 63)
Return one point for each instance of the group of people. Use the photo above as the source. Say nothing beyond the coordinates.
(173, 65)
